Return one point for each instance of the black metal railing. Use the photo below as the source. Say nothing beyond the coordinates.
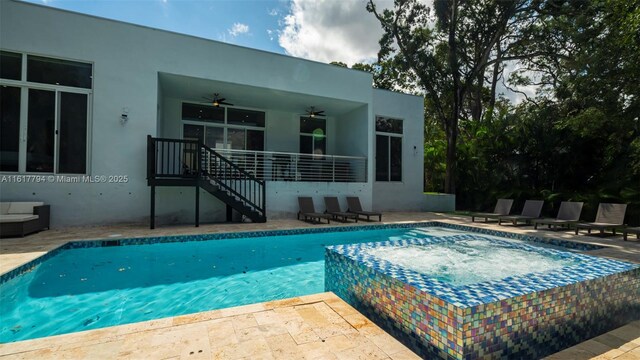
(172, 158)
(233, 179)
(191, 159)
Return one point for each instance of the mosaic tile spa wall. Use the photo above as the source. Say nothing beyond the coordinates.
(527, 317)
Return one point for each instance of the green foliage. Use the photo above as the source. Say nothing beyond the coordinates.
(577, 138)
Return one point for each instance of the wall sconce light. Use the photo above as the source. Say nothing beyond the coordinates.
(124, 117)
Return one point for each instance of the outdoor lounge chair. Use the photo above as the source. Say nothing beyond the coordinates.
(530, 211)
(609, 216)
(354, 207)
(568, 214)
(333, 209)
(308, 211)
(631, 230)
(503, 208)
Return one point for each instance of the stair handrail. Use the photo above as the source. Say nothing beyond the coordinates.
(246, 176)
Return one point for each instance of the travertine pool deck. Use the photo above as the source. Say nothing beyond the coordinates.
(308, 327)
(317, 326)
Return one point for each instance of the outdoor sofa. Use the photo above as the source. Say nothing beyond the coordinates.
(19, 218)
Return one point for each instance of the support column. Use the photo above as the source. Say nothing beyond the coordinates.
(152, 214)
(197, 205)
(229, 213)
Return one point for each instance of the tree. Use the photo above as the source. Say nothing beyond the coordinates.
(451, 50)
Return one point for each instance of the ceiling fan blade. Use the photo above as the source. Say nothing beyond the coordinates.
(206, 98)
(224, 103)
(320, 112)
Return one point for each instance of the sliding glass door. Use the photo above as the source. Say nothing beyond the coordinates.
(44, 114)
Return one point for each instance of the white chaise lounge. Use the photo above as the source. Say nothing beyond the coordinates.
(19, 218)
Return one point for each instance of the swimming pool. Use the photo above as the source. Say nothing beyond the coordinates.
(552, 300)
(94, 284)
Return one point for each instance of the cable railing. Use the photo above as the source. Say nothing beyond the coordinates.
(284, 166)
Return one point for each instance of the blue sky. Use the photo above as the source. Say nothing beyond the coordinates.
(330, 30)
(245, 22)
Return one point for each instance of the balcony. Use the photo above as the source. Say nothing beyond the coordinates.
(285, 166)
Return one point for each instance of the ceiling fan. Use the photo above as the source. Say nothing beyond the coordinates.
(216, 100)
(311, 112)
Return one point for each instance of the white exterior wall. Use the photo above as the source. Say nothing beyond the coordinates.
(127, 60)
(405, 195)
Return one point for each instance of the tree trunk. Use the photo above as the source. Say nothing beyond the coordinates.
(476, 111)
(451, 159)
(494, 80)
(452, 123)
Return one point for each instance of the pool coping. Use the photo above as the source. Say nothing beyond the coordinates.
(175, 337)
(108, 242)
(484, 292)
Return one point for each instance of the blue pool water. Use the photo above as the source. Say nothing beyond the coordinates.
(88, 288)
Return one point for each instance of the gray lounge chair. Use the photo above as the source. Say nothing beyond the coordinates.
(568, 214)
(609, 216)
(503, 208)
(631, 230)
(333, 208)
(530, 211)
(308, 211)
(354, 207)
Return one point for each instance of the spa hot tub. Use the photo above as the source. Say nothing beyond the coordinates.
(473, 296)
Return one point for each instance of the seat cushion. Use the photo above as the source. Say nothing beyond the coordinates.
(14, 218)
(25, 207)
(4, 207)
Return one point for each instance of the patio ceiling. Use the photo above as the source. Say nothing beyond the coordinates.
(193, 89)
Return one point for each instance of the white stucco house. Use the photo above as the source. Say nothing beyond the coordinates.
(97, 115)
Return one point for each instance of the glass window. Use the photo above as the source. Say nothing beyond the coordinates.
(193, 132)
(382, 158)
(306, 144)
(313, 136)
(235, 139)
(214, 137)
(9, 127)
(40, 130)
(388, 149)
(245, 117)
(202, 113)
(395, 159)
(255, 140)
(314, 126)
(388, 125)
(10, 65)
(58, 72)
(72, 156)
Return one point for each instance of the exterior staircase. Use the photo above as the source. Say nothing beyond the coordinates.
(177, 162)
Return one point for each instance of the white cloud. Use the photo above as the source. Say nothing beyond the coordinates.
(521, 92)
(274, 12)
(331, 30)
(238, 28)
